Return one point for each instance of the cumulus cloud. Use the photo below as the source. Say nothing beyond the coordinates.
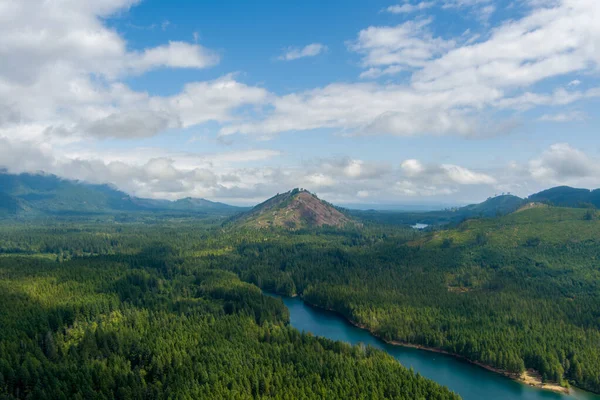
(562, 163)
(454, 83)
(311, 50)
(237, 176)
(243, 176)
(62, 89)
(209, 101)
(37, 37)
(369, 108)
(63, 71)
(145, 172)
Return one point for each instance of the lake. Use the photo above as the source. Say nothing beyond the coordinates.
(469, 381)
(419, 226)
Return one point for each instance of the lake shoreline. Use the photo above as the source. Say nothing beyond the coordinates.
(529, 377)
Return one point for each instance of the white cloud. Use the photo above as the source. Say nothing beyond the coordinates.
(173, 55)
(145, 172)
(311, 50)
(62, 90)
(561, 163)
(407, 45)
(369, 109)
(520, 52)
(200, 102)
(410, 189)
(443, 174)
(62, 73)
(131, 124)
(482, 9)
(560, 97)
(454, 85)
(464, 176)
(409, 8)
(41, 37)
(350, 169)
(320, 180)
(412, 167)
(563, 117)
(374, 73)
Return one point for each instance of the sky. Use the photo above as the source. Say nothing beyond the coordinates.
(361, 102)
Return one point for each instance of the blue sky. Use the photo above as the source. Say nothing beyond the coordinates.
(392, 102)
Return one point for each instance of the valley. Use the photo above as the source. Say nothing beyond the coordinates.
(513, 292)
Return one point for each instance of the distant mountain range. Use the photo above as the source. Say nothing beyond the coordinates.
(562, 196)
(43, 195)
(33, 195)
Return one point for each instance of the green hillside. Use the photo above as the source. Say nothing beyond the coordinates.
(36, 195)
(514, 292)
(494, 206)
(565, 196)
(146, 312)
(553, 226)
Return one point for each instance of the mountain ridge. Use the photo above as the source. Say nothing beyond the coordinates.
(31, 195)
(566, 196)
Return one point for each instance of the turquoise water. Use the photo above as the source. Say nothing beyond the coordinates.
(420, 226)
(468, 380)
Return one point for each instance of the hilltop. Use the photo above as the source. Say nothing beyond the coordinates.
(492, 207)
(295, 209)
(565, 196)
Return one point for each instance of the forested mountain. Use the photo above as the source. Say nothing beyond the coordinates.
(37, 195)
(131, 311)
(562, 196)
(32, 195)
(513, 292)
(565, 196)
(494, 206)
(295, 209)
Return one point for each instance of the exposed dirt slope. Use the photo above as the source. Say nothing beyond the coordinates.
(295, 209)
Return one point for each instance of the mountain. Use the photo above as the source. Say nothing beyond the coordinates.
(499, 205)
(565, 196)
(31, 195)
(492, 207)
(295, 209)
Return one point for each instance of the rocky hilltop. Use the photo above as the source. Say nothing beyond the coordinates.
(295, 209)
